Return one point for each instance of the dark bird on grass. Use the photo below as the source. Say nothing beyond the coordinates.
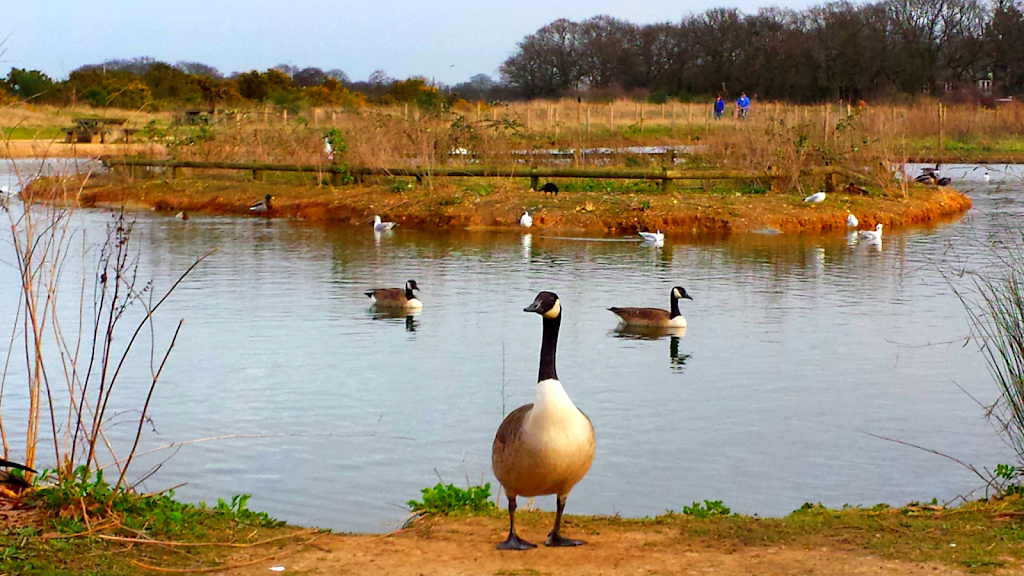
(545, 447)
(11, 479)
(261, 206)
(852, 188)
(550, 187)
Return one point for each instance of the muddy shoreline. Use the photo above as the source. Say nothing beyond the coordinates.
(462, 205)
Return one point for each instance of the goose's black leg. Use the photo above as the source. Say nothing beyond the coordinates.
(555, 537)
(514, 542)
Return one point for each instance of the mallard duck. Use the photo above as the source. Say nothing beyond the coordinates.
(261, 206)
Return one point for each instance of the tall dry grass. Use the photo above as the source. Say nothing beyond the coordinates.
(72, 338)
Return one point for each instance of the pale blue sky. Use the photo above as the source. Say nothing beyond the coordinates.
(449, 40)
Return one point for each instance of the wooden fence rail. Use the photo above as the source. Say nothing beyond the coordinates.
(664, 175)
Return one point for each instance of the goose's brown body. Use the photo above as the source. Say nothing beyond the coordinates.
(655, 317)
(547, 451)
(394, 298)
(649, 317)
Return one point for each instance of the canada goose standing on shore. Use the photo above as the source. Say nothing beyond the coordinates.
(396, 297)
(261, 206)
(545, 447)
(11, 479)
(655, 317)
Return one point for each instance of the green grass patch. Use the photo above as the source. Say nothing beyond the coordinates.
(32, 132)
(449, 500)
(62, 525)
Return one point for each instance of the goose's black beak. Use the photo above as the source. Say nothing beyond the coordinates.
(535, 307)
(688, 297)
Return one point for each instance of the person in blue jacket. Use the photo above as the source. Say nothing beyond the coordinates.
(719, 107)
(742, 105)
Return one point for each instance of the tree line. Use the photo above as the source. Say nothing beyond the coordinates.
(890, 49)
(887, 49)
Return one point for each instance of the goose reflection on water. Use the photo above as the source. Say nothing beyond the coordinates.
(386, 315)
(677, 360)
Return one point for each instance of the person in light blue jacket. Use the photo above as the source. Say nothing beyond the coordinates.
(742, 105)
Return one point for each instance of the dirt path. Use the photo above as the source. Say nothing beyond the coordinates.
(467, 546)
(60, 149)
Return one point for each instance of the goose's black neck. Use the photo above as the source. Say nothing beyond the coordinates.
(549, 342)
(408, 293)
(675, 306)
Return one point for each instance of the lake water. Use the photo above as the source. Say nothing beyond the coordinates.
(798, 348)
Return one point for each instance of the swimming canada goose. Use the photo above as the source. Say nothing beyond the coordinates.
(525, 220)
(815, 198)
(655, 237)
(11, 479)
(261, 206)
(545, 447)
(944, 181)
(181, 215)
(851, 221)
(550, 187)
(382, 226)
(875, 234)
(655, 317)
(396, 297)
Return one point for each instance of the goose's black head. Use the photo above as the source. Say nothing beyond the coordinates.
(680, 292)
(546, 304)
(411, 285)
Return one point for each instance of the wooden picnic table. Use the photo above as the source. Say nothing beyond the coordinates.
(88, 130)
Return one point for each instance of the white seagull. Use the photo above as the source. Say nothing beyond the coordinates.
(875, 234)
(851, 221)
(525, 220)
(382, 226)
(328, 149)
(986, 177)
(654, 237)
(815, 198)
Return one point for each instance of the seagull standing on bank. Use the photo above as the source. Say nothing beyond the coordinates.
(851, 221)
(815, 198)
(526, 221)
